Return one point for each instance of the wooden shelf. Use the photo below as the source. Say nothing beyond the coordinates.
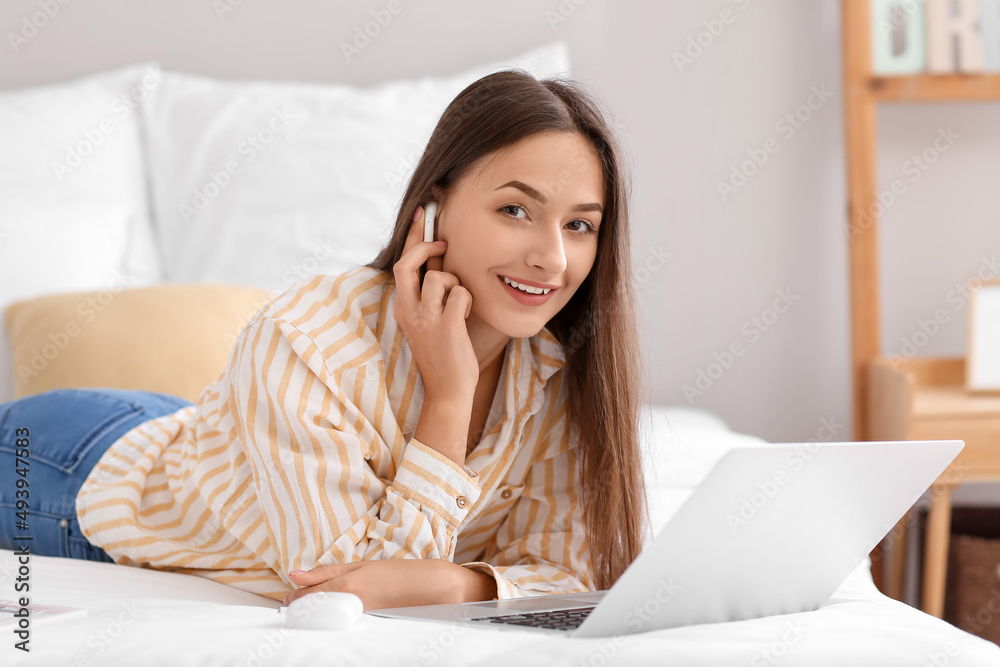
(926, 399)
(936, 88)
(912, 399)
(954, 402)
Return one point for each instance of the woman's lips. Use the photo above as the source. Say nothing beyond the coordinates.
(524, 297)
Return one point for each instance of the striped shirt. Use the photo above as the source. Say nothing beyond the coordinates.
(302, 453)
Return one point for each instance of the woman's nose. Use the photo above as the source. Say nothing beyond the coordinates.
(547, 251)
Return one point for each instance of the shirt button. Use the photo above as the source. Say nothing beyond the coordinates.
(462, 501)
(506, 494)
(64, 523)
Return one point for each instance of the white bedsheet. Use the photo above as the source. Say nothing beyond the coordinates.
(143, 618)
(140, 617)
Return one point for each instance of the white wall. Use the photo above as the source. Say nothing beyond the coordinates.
(782, 231)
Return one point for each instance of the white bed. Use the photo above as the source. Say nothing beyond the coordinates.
(144, 617)
(116, 220)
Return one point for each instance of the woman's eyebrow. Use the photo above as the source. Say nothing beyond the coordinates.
(538, 196)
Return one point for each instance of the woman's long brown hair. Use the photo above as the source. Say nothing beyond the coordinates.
(597, 327)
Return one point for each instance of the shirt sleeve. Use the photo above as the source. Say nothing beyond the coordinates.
(542, 543)
(308, 436)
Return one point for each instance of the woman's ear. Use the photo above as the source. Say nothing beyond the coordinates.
(437, 193)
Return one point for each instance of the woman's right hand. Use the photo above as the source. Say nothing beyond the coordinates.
(432, 319)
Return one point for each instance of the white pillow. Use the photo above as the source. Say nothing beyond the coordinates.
(73, 201)
(263, 183)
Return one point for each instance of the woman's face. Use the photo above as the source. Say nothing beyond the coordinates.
(531, 215)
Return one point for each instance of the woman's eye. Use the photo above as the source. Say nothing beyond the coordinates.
(509, 207)
(587, 229)
(590, 229)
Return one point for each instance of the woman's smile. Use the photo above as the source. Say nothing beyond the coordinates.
(524, 297)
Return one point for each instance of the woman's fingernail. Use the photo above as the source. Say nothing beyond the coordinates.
(441, 243)
(416, 214)
(297, 572)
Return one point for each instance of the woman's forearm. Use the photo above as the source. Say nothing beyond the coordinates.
(478, 586)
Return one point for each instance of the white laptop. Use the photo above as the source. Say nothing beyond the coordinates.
(773, 529)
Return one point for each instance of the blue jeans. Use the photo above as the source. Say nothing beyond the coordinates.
(66, 432)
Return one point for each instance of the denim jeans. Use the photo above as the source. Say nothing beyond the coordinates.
(65, 432)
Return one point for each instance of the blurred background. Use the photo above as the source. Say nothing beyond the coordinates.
(733, 116)
(760, 260)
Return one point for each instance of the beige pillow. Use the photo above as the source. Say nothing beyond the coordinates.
(170, 338)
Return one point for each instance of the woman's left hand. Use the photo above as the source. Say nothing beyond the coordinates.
(397, 582)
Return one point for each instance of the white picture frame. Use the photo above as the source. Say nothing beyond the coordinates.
(982, 368)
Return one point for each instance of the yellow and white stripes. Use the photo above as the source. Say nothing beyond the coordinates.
(302, 453)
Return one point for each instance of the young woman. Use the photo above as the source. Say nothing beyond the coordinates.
(454, 421)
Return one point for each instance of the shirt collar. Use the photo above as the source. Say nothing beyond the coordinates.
(546, 353)
(529, 363)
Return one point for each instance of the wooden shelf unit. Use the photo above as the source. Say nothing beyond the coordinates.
(930, 88)
(863, 91)
(925, 399)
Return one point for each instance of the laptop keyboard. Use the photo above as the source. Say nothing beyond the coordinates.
(560, 619)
